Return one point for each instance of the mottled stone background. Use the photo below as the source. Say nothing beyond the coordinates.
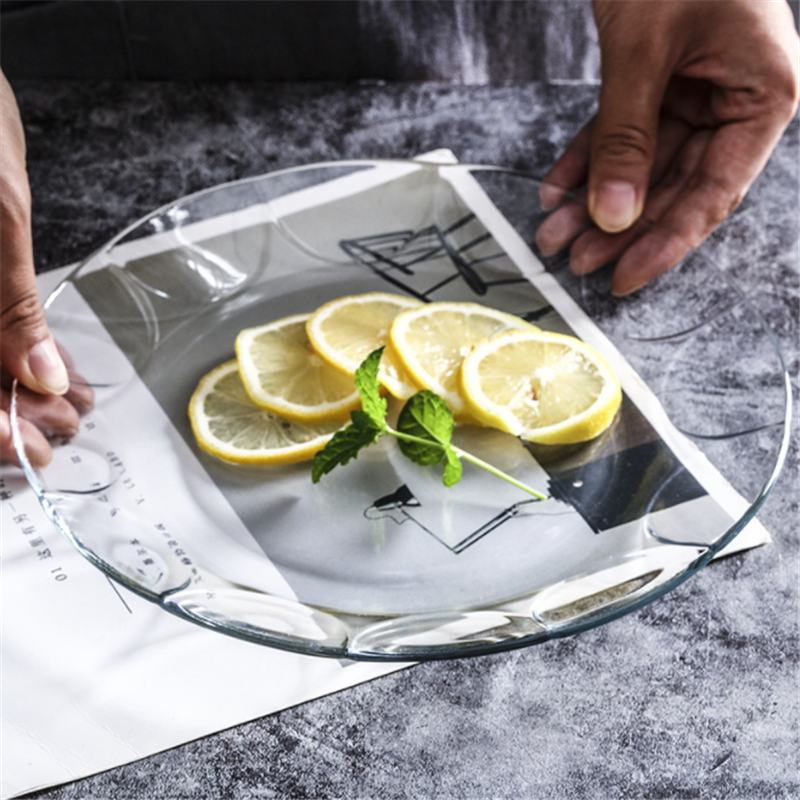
(695, 696)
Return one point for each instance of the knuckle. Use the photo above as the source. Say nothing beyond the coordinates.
(22, 315)
(734, 199)
(777, 99)
(775, 91)
(720, 200)
(724, 199)
(625, 144)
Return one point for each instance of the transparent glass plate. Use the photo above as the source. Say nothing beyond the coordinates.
(380, 561)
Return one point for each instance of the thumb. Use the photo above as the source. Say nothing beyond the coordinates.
(27, 349)
(626, 128)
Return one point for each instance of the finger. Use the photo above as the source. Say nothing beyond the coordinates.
(562, 226)
(596, 248)
(52, 415)
(569, 171)
(651, 255)
(37, 448)
(80, 395)
(28, 351)
(734, 157)
(625, 134)
(572, 221)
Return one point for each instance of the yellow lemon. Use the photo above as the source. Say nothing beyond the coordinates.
(227, 424)
(283, 374)
(345, 331)
(431, 341)
(543, 387)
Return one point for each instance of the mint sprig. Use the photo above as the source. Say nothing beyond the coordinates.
(424, 432)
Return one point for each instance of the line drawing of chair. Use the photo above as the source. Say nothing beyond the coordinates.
(458, 252)
(398, 506)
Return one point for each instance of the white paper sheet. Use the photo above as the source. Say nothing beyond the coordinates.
(95, 677)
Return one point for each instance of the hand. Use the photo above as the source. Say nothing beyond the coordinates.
(695, 95)
(27, 349)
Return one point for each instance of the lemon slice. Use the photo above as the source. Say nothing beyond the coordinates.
(544, 387)
(432, 340)
(227, 424)
(282, 374)
(345, 331)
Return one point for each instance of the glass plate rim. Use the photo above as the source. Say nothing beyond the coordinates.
(412, 653)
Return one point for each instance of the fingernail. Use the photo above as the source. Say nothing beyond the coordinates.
(48, 368)
(81, 396)
(613, 206)
(560, 228)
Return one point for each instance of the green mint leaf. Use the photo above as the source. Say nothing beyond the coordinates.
(427, 416)
(344, 445)
(452, 468)
(424, 429)
(369, 386)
